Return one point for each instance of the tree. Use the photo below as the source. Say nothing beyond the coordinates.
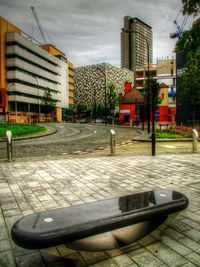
(112, 99)
(48, 103)
(188, 93)
(80, 109)
(157, 99)
(189, 43)
(189, 82)
(191, 7)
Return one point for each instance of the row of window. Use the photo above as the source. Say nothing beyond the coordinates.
(25, 107)
(27, 95)
(70, 68)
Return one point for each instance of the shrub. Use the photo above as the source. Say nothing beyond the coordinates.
(184, 131)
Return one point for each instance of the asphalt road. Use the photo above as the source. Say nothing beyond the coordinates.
(69, 138)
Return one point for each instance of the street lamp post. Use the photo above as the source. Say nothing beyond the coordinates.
(95, 106)
(148, 77)
(153, 136)
(7, 119)
(38, 97)
(105, 103)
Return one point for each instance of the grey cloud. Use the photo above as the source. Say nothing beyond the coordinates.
(88, 31)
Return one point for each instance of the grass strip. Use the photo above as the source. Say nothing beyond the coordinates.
(20, 130)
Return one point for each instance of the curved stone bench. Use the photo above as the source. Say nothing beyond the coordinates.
(101, 225)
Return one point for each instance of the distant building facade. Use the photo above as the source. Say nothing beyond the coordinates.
(91, 82)
(71, 84)
(131, 105)
(164, 71)
(27, 69)
(134, 38)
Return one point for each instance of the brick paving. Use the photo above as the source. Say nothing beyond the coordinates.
(32, 186)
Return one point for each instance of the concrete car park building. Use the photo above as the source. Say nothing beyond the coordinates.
(91, 82)
(27, 69)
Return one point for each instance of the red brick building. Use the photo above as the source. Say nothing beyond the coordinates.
(130, 104)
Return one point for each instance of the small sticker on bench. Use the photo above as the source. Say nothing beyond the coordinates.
(48, 220)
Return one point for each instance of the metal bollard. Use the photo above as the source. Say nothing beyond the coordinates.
(194, 140)
(9, 145)
(112, 142)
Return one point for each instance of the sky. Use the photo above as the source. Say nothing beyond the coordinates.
(88, 31)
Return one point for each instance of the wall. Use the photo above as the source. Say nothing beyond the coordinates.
(5, 26)
(127, 109)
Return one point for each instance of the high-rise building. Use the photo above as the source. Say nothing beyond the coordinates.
(136, 37)
(27, 69)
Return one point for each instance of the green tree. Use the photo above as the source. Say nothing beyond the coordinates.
(189, 43)
(48, 103)
(157, 99)
(112, 99)
(80, 108)
(189, 83)
(191, 7)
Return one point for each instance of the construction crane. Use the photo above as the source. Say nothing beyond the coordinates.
(38, 23)
(179, 29)
(178, 32)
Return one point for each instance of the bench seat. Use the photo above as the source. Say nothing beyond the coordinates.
(65, 225)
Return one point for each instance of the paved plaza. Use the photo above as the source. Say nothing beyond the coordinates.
(32, 186)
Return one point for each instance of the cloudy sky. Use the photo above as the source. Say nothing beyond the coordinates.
(88, 31)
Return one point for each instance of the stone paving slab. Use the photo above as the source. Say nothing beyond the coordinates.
(32, 186)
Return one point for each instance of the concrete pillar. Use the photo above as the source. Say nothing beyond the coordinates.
(112, 142)
(194, 141)
(9, 145)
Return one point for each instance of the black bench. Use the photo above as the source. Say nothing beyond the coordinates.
(120, 221)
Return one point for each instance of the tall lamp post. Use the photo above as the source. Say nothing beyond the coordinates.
(95, 106)
(105, 103)
(153, 136)
(7, 120)
(38, 97)
(148, 77)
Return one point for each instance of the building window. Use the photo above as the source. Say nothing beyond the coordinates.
(12, 106)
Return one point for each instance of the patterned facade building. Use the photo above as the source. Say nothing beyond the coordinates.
(136, 38)
(91, 82)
